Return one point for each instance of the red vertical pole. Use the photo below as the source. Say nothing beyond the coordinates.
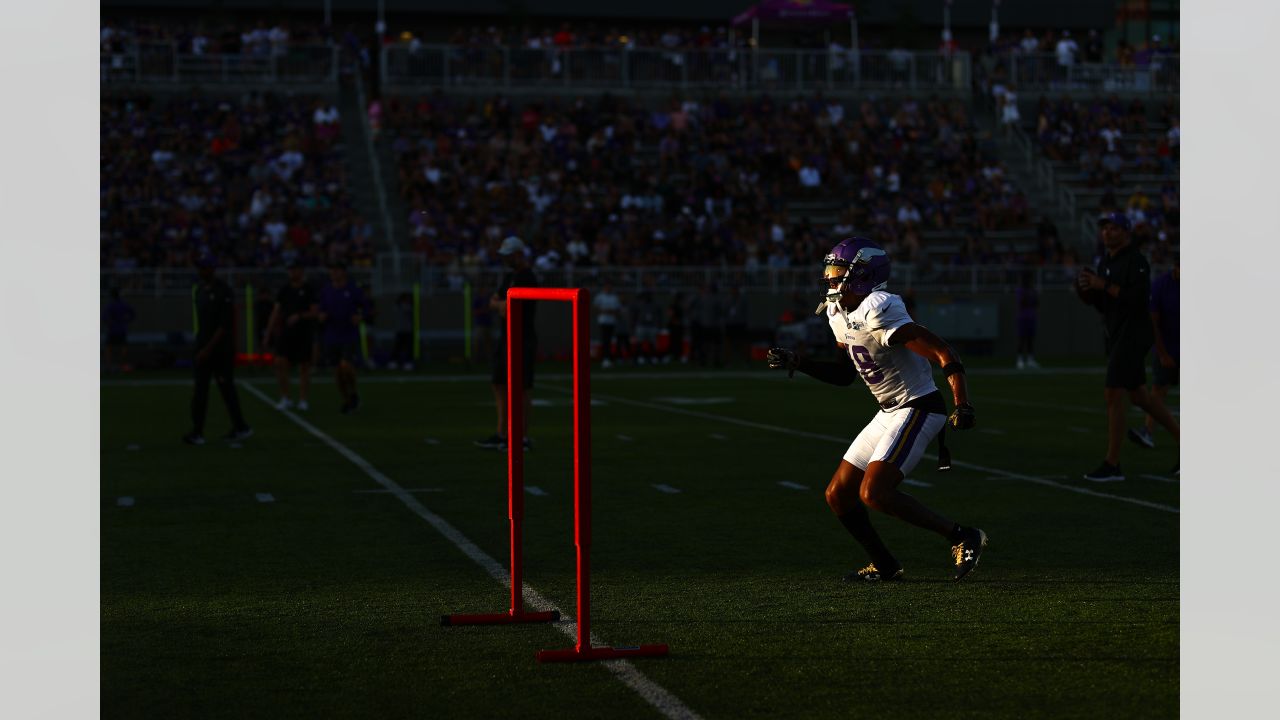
(582, 460)
(515, 447)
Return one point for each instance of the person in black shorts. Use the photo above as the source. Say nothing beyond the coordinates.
(292, 327)
(215, 353)
(1119, 289)
(519, 274)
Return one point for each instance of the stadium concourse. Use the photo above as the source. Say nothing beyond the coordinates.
(301, 570)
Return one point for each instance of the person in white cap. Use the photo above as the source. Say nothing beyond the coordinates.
(514, 254)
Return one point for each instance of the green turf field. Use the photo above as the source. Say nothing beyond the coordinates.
(326, 600)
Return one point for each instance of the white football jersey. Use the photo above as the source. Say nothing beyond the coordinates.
(894, 374)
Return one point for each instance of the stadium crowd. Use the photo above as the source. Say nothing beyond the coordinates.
(721, 182)
(258, 181)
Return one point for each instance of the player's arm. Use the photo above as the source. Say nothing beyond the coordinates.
(923, 342)
(841, 372)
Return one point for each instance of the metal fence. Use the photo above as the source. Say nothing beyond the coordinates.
(652, 68)
(159, 63)
(1041, 71)
(385, 279)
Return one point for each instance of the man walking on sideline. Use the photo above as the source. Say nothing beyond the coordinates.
(215, 353)
(341, 310)
(292, 327)
(1164, 368)
(1120, 289)
(519, 274)
(607, 305)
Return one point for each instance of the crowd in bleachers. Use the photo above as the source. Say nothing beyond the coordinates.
(605, 181)
(1117, 156)
(259, 181)
(258, 38)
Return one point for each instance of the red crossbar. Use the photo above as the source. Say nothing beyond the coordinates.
(581, 301)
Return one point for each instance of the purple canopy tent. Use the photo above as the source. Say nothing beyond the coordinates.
(797, 11)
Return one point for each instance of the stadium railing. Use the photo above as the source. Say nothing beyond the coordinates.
(156, 63)
(1041, 71)
(776, 70)
(384, 279)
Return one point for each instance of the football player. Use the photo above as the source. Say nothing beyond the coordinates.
(880, 344)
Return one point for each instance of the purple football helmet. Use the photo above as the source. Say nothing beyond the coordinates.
(866, 268)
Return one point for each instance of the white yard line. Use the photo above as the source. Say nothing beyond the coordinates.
(264, 497)
(718, 436)
(916, 483)
(793, 486)
(625, 438)
(1005, 474)
(1161, 478)
(535, 490)
(659, 697)
(666, 489)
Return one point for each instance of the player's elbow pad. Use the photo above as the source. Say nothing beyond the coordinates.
(840, 372)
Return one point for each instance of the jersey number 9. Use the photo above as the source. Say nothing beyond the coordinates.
(866, 365)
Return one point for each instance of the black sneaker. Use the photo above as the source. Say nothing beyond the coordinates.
(1142, 436)
(493, 442)
(1106, 472)
(871, 573)
(968, 551)
(193, 438)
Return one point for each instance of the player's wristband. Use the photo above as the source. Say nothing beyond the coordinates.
(952, 368)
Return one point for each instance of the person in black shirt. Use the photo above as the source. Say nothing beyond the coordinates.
(519, 274)
(1119, 289)
(215, 354)
(293, 328)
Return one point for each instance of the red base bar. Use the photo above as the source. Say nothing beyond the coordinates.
(504, 618)
(573, 654)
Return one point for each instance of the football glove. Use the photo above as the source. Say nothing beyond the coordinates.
(962, 418)
(785, 359)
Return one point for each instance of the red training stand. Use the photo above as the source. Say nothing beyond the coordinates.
(581, 302)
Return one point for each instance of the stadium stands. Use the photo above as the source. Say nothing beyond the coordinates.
(746, 183)
(258, 180)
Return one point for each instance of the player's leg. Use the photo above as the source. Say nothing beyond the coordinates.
(282, 378)
(304, 384)
(908, 432)
(842, 498)
(224, 376)
(1155, 407)
(200, 401)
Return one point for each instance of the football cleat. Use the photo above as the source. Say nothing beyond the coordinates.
(192, 438)
(284, 404)
(871, 573)
(968, 551)
(241, 434)
(1142, 436)
(1106, 472)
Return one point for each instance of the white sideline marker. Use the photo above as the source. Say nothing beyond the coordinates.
(625, 438)
(535, 490)
(1161, 478)
(718, 436)
(793, 486)
(124, 501)
(651, 692)
(666, 489)
(264, 497)
(917, 483)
